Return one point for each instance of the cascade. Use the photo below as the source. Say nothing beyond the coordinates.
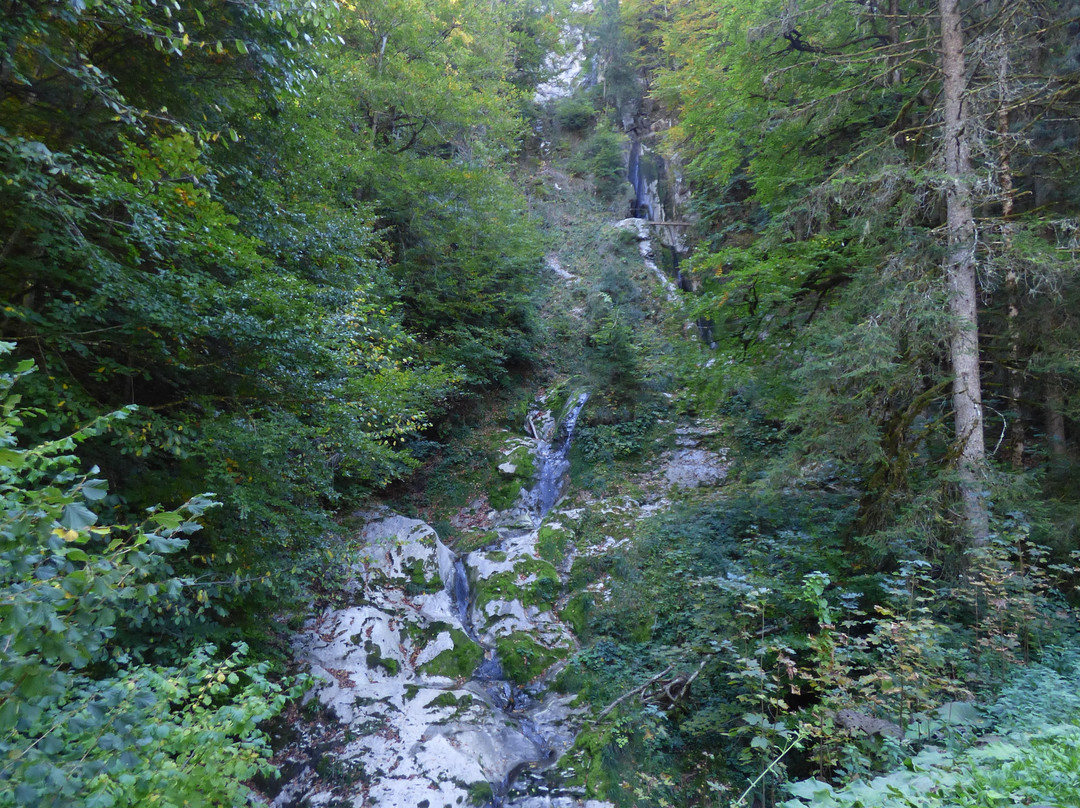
(516, 702)
(647, 206)
(639, 208)
(421, 709)
(552, 457)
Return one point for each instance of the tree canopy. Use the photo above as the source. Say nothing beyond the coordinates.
(283, 238)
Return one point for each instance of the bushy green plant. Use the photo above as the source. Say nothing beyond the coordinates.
(575, 114)
(1033, 755)
(602, 158)
(80, 722)
(607, 442)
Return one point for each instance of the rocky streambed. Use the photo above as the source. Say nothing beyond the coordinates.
(434, 682)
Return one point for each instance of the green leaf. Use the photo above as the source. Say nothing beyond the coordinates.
(170, 520)
(960, 713)
(810, 789)
(77, 517)
(95, 490)
(12, 458)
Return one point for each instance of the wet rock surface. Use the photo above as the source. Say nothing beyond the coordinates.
(431, 686)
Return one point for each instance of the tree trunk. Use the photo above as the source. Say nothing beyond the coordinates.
(894, 40)
(1055, 418)
(960, 273)
(1017, 438)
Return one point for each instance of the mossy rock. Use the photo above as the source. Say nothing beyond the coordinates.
(509, 484)
(422, 633)
(551, 543)
(558, 400)
(589, 569)
(375, 659)
(588, 750)
(470, 542)
(576, 611)
(450, 699)
(565, 402)
(457, 662)
(626, 616)
(523, 659)
(541, 592)
(419, 583)
(480, 793)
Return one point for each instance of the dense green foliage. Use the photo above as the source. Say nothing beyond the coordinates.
(813, 137)
(283, 236)
(833, 589)
(291, 247)
(1030, 756)
(268, 249)
(80, 720)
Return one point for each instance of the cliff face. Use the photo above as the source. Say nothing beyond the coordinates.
(661, 193)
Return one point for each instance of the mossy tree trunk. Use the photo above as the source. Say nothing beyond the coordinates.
(960, 274)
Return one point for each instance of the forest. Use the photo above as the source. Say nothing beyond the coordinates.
(788, 287)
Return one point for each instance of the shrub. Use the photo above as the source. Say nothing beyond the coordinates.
(80, 722)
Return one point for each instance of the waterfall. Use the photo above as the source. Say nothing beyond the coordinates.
(647, 207)
(417, 698)
(514, 701)
(639, 208)
(554, 462)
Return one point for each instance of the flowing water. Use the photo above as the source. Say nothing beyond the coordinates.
(409, 726)
(647, 206)
(517, 703)
(553, 460)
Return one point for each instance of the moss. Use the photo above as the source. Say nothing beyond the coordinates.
(480, 793)
(514, 414)
(575, 612)
(505, 491)
(558, 400)
(375, 659)
(567, 400)
(523, 659)
(588, 751)
(541, 592)
(588, 569)
(449, 699)
(642, 629)
(418, 581)
(472, 541)
(457, 662)
(422, 633)
(416, 632)
(551, 544)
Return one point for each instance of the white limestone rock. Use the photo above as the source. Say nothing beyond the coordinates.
(690, 468)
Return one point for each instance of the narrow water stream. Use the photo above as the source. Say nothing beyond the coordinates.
(649, 207)
(553, 459)
(516, 702)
